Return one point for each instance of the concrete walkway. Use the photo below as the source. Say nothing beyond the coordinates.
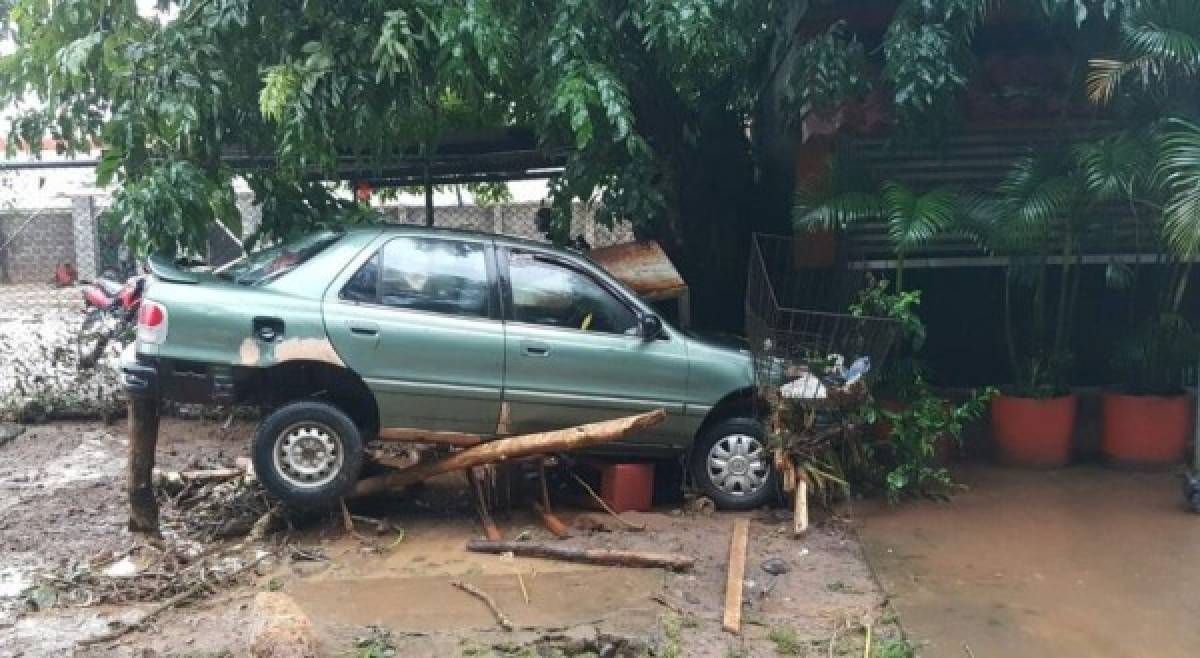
(1084, 561)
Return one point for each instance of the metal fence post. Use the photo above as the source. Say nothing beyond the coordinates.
(83, 219)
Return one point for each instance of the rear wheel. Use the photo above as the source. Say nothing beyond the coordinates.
(731, 464)
(308, 453)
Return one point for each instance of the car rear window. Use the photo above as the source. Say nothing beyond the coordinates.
(275, 261)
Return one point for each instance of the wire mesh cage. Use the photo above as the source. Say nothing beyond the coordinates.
(807, 346)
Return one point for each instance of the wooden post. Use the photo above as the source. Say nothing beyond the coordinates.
(143, 441)
(733, 580)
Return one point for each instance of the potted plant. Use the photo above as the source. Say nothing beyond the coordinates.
(1037, 219)
(1148, 420)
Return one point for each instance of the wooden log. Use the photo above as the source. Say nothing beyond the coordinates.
(552, 522)
(609, 557)
(564, 440)
(737, 571)
(143, 441)
(411, 435)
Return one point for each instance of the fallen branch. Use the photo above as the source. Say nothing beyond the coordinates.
(564, 440)
(602, 556)
(592, 492)
(501, 618)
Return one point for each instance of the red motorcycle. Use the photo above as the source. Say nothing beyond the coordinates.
(110, 313)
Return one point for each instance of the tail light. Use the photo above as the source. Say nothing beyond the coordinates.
(152, 322)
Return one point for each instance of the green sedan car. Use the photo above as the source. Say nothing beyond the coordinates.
(346, 334)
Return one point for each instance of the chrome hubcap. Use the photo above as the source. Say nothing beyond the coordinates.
(737, 464)
(308, 454)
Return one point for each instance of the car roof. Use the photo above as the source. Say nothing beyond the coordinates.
(445, 232)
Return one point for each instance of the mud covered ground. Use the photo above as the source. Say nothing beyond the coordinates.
(62, 501)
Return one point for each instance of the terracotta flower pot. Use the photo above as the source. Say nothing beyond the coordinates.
(1034, 431)
(1146, 430)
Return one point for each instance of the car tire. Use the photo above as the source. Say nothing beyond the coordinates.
(731, 463)
(309, 454)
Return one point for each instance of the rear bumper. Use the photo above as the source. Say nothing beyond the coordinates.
(178, 381)
(140, 379)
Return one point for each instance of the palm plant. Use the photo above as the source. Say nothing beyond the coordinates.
(1160, 53)
(848, 197)
(1036, 216)
(1160, 50)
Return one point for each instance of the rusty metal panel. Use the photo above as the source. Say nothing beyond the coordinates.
(643, 266)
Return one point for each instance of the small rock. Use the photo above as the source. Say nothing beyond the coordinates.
(281, 629)
(691, 598)
(776, 566)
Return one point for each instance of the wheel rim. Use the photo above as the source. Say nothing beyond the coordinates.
(737, 465)
(308, 455)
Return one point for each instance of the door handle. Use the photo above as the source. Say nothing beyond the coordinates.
(536, 350)
(364, 329)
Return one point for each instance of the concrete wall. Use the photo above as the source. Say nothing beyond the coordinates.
(43, 243)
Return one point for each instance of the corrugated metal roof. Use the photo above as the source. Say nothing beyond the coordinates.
(643, 266)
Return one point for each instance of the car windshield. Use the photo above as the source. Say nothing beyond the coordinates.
(272, 262)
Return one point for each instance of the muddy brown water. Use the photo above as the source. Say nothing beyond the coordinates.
(1084, 561)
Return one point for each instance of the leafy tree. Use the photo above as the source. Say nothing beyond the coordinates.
(679, 115)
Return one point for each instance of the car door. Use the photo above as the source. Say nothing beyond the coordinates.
(419, 321)
(574, 353)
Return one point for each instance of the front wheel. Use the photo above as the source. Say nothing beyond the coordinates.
(732, 464)
(309, 454)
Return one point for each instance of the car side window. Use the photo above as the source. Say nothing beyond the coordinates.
(551, 294)
(364, 285)
(429, 274)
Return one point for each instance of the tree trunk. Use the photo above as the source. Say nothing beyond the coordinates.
(1010, 337)
(564, 440)
(143, 440)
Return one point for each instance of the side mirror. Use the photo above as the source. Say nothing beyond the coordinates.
(651, 326)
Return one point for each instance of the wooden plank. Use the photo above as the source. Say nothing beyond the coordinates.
(737, 571)
(800, 510)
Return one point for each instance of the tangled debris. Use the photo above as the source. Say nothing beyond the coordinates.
(218, 503)
(143, 573)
